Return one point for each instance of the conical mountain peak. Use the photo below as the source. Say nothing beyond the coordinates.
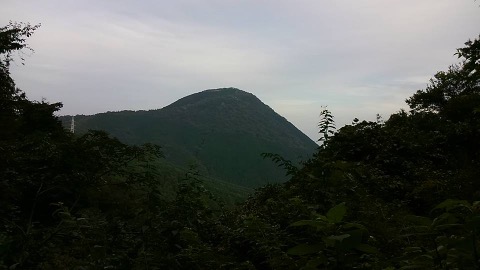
(215, 95)
(222, 130)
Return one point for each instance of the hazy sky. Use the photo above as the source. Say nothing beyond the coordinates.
(358, 57)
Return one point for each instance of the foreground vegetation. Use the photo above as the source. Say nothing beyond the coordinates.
(377, 195)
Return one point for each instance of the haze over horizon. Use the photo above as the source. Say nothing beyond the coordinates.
(359, 58)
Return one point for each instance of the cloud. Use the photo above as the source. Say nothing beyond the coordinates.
(358, 57)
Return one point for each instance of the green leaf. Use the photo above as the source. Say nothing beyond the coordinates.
(444, 219)
(313, 223)
(418, 229)
(354, 226)
(305, 249)
(448, 226)
(321, 217)
(338, 237)
(450, 203)
(337, 213)
(366, 248)
(419, 220)
(409, 250)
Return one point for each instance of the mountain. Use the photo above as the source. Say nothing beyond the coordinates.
(221, 131)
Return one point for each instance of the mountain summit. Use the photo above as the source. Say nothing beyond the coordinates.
(221, 131)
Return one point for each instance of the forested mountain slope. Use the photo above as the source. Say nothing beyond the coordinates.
(222, 131)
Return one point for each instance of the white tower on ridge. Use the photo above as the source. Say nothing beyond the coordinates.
(72, 125)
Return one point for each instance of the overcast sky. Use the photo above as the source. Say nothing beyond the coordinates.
(358, 57)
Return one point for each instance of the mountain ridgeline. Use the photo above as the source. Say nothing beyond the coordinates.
(222, 132)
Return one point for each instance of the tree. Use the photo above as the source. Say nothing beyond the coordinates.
(48, 176)
(453, 90)
(16, 112)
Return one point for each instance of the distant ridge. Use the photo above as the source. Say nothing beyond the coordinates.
(222, 131)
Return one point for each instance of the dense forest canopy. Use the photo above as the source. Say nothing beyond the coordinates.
(397, 194)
